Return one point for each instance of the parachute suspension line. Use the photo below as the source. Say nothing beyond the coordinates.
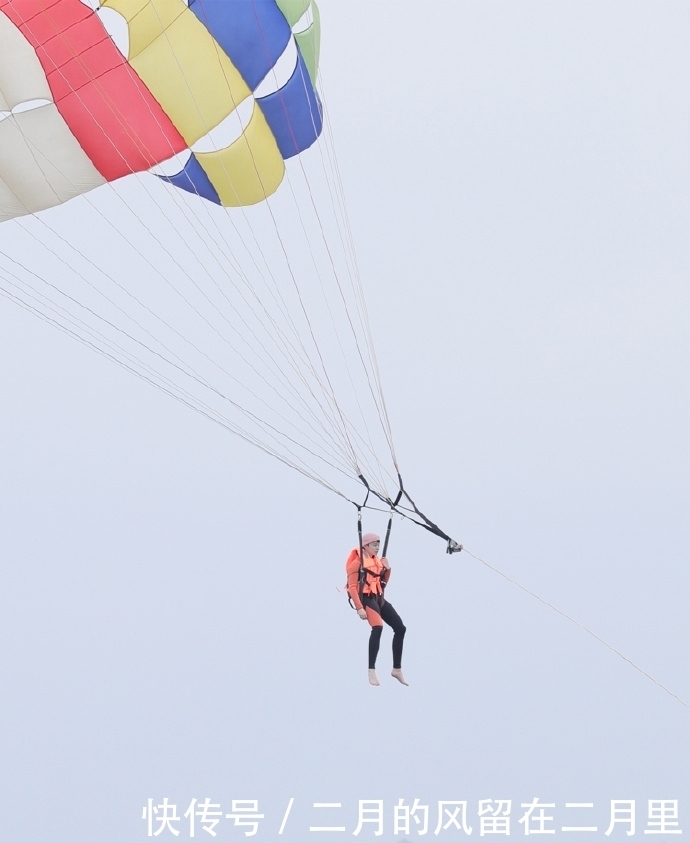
(283, 309)
(125, 125)
(378, 398)
(355, 275)
(288, 264)
(344, 429)
(336, 333)
(283, 380)
(170, 388)
(313, 337)
(24, 227)
(69, 318)
(334, 270)
(370, 445)
(143, 224)
(210, 414)
(159, 381)
(581, 626)
(285, 342)
(330, 256)
(323, 442)
(359, 298)
(184, 369)
(172, 392)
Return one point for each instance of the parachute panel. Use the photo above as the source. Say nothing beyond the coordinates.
(250, 169)
(41, 162)
(118, 124)
(128, 85)
(304, 20)
(254, 35)
(10, 205)
(192, 178)
(294, 113)
(21, 76)
(194, 81)
(255, 319)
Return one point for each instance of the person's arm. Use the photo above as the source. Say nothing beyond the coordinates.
(386, 575)
(352, 570)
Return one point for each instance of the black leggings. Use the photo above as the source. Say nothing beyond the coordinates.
(393, 619)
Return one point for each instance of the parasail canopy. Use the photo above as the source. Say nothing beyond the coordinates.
(211, 95)
(242, 301)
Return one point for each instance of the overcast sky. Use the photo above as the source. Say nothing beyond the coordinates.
(517, 182)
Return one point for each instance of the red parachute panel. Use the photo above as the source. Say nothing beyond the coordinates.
(110, 111)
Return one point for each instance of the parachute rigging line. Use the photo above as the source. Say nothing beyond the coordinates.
(355, 280)
(285, 355)
(581, 626)
(141, 221)
(385, 424)
(268, 429)
(395, 505)
(277, 231)
(343, 428)
(185, 368)
(101, 345)
(454, 547)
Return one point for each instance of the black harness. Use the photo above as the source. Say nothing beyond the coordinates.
(362, 580)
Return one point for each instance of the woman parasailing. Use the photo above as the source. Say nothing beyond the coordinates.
(367, 577)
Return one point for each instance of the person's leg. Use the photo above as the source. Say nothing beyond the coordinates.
(374, 617)
(374, 642)
(393, 619)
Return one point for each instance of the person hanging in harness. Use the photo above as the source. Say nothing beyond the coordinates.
(366, 581)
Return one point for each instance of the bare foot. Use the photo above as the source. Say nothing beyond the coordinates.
(372, 678)
(397, 673)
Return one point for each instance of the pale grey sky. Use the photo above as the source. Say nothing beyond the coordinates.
(517, 183)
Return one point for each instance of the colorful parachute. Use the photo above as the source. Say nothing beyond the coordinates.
(211, 95)
(252, 316)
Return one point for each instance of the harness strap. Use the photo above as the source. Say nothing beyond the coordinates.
(360, 583)
(390, 522)
(360, 576)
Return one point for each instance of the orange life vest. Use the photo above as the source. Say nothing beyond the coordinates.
(368, 578)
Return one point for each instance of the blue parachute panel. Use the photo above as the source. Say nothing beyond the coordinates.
(294, 112)
(253, 33)
(194, 179)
